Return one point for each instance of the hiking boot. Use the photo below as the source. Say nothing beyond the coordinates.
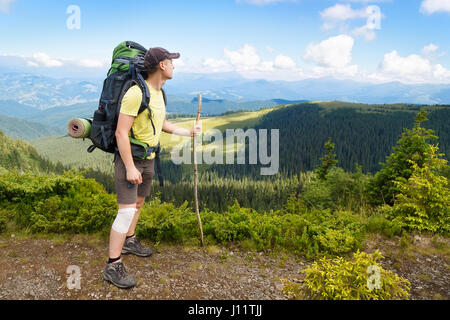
(133, 245)
(116, 274)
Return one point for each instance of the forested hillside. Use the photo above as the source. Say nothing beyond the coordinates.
(20, 156)
(363, 135)
(26, 130)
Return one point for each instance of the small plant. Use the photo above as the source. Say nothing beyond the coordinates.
(362, 278)
(157, 247)
(405, 240)
(378, 222)
(328, 160)
(3, 220)
(283, 260)
(223, 256)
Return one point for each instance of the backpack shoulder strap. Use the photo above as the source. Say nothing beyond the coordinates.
(145, 93)
(164, 97)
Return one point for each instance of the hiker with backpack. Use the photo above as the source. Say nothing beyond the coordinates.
(133, 98)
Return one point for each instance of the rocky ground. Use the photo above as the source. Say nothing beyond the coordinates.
(37, 268)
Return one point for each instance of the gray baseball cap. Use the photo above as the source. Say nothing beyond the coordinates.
(155, 55)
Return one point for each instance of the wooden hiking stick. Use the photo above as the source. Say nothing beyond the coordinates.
(195, 171)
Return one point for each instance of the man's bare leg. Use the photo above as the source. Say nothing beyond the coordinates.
(116, 239)
(139, 204)
(132, 244)
(114, 270)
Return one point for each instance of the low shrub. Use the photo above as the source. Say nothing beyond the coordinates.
(165, 222)
(3, 220)
(339, 190)
(311, 233)
(57, 203)
(362, 278)
(379, 222)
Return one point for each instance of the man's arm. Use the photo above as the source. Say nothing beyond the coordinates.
(169, 127)
(124, 124)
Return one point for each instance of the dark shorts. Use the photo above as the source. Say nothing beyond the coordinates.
(128, 193)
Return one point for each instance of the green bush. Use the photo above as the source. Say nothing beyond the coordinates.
(423, 202)
(72, 203)
(3, 220)
(378, 222)
(165, 222)
(338, 190)
(341, 279)
(311, 233)
(333, 233)
(61, 203)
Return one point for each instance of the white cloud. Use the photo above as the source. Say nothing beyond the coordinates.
(349, 71)
(90, 63)
(413, 68)
(264, 2)
(339, 14)
(178, 63)
(32, 64)
(246, 58)
(266, 66)
(44, 59)
(215, 65)
(270, 49)
(366, 1)
(366, 32)
(249, 64)
(429, 49)
(410, 65)
(431, 52)
(433, 6)
(284, 62)
(90, 88)
(4, 5)
(335, 52)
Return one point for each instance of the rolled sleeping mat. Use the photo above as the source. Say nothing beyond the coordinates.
(79, 128)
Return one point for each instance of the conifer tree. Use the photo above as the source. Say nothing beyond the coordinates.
(412, 146)
(328, 161)
(423, 203)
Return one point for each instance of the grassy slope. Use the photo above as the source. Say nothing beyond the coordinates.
(73, 152)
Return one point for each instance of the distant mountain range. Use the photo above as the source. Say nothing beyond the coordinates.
(43, 92)
(221, 92)
(233, 87)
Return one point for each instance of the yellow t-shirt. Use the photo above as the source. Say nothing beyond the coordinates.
(142, 126)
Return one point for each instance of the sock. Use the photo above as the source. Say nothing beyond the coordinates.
(111, 260)
(128, 237)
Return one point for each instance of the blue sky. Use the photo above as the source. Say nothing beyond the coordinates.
(363, 40)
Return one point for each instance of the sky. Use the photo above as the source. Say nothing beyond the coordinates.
(362, 40)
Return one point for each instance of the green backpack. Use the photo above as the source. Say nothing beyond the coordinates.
(127, 69)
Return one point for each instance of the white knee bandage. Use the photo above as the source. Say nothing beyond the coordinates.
(123, 220)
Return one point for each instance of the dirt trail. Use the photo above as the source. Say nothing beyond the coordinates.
(36, 268)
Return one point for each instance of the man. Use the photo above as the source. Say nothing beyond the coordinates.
(133, 178)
